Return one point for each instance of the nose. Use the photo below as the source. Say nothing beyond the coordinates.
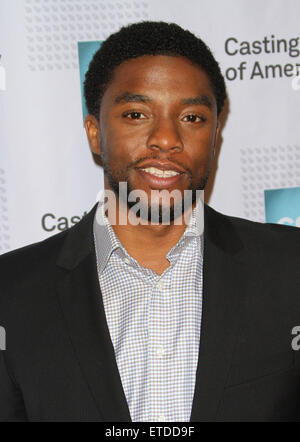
(165, 137)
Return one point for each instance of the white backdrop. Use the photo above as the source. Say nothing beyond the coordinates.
(48, 179)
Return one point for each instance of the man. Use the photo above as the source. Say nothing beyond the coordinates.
(153, 320)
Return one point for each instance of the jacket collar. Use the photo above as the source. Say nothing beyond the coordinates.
(79, 240)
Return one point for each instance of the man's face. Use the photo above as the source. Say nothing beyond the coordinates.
(156, 109)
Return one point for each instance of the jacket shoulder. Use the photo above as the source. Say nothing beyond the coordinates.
(256, 235)
(16, 264)
(37, 265)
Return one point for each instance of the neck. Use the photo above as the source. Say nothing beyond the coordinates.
(147, 243)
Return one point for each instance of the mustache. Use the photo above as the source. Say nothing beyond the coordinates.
(171, 160)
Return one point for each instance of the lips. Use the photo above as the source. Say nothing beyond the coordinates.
(159, 182)
(162, 165)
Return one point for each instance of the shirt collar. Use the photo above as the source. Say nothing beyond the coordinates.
(106, 240)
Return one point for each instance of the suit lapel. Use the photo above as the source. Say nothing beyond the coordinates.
(223, 293)
(81, 302)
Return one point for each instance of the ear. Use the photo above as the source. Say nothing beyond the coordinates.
(93, 133)
(217, 133)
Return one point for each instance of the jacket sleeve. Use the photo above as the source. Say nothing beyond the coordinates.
(12, 407)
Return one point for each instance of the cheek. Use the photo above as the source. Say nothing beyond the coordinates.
(200, 144)
(125, 146)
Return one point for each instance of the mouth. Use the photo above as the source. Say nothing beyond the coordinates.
(158, 178)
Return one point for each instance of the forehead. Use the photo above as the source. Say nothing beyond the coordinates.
(159, 74)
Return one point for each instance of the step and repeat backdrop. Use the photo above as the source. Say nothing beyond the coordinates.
(48, 179)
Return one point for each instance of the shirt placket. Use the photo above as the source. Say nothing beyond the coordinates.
(159, 349)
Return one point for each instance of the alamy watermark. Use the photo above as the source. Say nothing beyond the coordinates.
(160, 207)
(2, 76)
(2, 338)
(296, 339)
(296, 82)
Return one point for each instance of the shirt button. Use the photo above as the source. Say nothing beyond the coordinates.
(127, 261)
(160, 351)
(161, 418)
(160, 285)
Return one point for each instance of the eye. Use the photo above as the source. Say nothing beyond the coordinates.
(193, 118)
(134, 115)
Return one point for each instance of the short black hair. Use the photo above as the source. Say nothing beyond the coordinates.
(148, 38)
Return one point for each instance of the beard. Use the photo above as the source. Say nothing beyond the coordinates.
(171, 212)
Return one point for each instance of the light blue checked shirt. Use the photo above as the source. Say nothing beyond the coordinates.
(154, 321)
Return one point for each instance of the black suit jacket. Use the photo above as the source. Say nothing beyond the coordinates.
(59, 364)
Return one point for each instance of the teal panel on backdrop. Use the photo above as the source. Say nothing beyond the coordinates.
(86, 50)
(283, 206)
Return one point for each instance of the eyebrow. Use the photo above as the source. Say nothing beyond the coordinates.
(128, 97)
(202, 100)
